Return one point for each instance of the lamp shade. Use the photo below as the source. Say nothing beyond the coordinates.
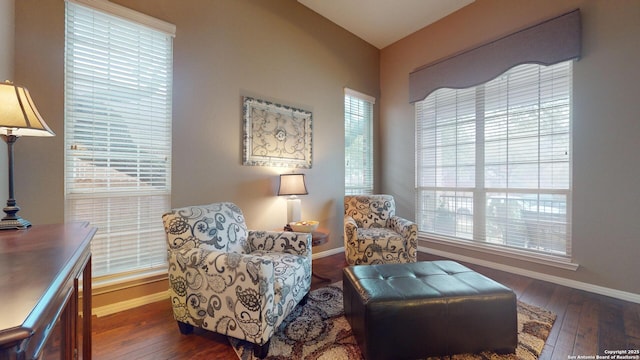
(292, 184)
(18, 114)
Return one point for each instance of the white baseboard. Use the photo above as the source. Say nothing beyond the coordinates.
(130, 304)
(618, 294)
(328, 253)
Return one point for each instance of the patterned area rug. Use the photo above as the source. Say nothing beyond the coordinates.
(319, 331)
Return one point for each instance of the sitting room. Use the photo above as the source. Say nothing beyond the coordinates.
(507, 201)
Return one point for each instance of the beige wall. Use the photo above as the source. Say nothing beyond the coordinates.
(6, 39)
(275, 50)
(281, 51)
(6, 73)
(606, 125)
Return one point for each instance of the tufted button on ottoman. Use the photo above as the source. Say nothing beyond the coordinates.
(410, 311)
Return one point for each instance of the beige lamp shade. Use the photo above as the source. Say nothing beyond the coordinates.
(292, 184)
(18, 114)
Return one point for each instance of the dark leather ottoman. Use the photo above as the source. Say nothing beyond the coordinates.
(410, 311)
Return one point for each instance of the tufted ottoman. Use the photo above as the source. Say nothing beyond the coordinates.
(409, 311)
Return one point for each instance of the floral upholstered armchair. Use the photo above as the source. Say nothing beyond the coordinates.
(373, 234)
(230, 280)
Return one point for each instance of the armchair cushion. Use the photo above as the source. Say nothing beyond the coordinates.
(231, 280)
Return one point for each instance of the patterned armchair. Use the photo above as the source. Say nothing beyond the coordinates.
(374, 235)
(230, 280)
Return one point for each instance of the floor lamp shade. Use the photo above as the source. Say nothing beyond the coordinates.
(293, 185)
(18, 117)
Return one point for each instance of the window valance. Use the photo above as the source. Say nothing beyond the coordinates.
(547, 43)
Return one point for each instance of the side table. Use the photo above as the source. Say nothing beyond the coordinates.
(319, 237)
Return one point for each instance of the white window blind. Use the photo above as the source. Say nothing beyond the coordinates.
(494, 161)
(118, 76)
(358, 137)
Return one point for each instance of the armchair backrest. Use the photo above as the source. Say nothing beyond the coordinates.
(370, 210)
(217, 226)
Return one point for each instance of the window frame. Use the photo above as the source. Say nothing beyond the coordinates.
(479, 193)
(144, 162)
(357, 104)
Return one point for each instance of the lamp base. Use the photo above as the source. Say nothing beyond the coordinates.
(293, 209)
(12, 224)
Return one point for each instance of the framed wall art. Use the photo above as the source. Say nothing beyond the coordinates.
(276, 135)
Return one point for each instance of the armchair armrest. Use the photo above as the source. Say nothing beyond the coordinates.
(219, 269)
(409, 231)
(407, 228)
(350, 221)
(202, 283)
(351, 240)
(281, 241)
(350, 229)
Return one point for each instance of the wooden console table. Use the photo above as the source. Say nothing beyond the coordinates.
(40, 271)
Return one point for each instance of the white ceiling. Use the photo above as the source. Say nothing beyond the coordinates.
(383, 22)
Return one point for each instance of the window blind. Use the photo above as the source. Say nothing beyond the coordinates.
(118, 76)
(494, 160)
(358, 134)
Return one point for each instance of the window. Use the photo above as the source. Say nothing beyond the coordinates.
(358, 139)
(494, 161)
(118, 77)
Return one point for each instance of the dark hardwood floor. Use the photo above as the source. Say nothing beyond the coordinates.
(587, 324)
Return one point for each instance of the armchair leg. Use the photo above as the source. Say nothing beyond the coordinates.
(261, 351)
(185, 329)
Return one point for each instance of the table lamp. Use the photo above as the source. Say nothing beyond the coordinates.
(18, 117)
(292, 185)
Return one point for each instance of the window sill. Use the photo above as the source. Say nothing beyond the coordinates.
(543, 259)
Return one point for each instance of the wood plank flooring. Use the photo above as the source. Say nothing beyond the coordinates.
(587, 324)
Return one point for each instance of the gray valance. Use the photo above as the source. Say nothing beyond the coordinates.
(547, 43)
